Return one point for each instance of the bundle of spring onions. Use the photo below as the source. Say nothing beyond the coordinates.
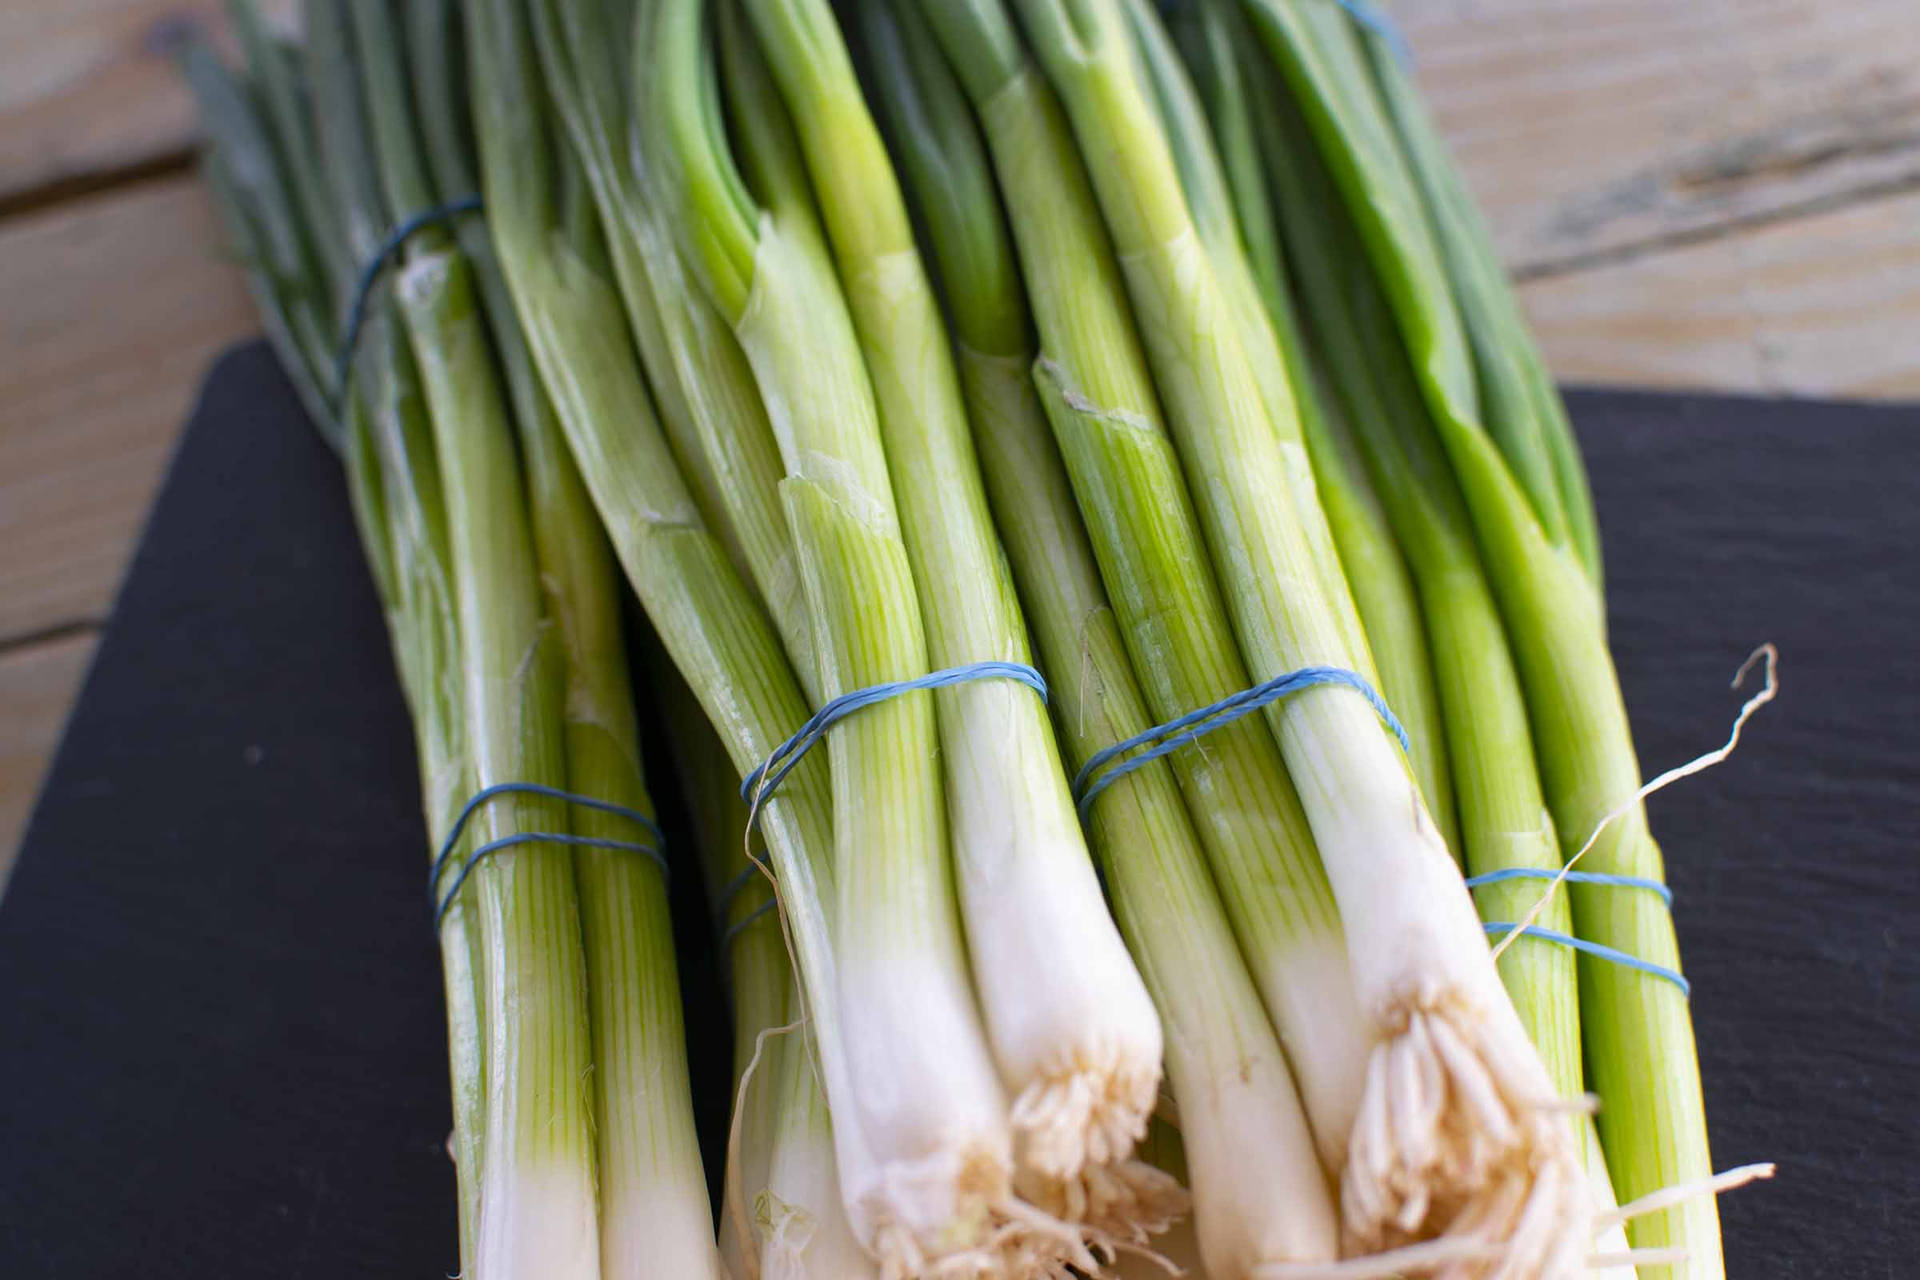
(1108, 435)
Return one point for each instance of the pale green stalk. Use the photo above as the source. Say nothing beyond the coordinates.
(719, 638)
(1100, 401)
(704, 391)
(1233, 195)
(1477, 1158)
(392, 482)
(1523, 411)
(1652, 1120)
(537, 1210)
(920, 1122)
(1504, 820)
(781, 1215)
(284, 116)
(1184, 124)
(654, 1211)
(1073, 1031)
(1259, 1194)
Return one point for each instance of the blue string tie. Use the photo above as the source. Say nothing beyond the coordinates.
(1095, 776)
(370, 275)
(1498, 928)
(754, 870)
(441, 903)
(758, 786)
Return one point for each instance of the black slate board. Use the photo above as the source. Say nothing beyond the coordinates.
(221, 1049)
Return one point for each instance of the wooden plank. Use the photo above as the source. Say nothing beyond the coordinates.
(1589, 126)
(37, 685)
(1584, 125)
(114, 306)
(86, 86)
(1820, 306)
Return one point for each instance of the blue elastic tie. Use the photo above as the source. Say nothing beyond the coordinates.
(1596, 949)
(1375, 20)
(774, 769)
(442, 903)
(370, 274)
(1573, 877)
(1094, 778)
(754, 870)
(739, 926)
(1581, 944)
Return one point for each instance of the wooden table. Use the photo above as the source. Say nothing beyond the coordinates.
(1718, 193)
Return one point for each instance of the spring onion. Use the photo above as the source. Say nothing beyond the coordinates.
(295, 274)
(1073, 1031)
(708, 404)
(1503, 817)
(1101, 405)
(1230, 196)
(1528, 520)
(537, 1204)
(921, 1131)
(1479, 1156)
(781, 1214)
(650, 1180)
(1259, 1195)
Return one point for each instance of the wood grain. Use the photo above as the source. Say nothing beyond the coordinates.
(114, 307)
(86, 86)
(1827, 305)
(37, 685)
(1587, 127)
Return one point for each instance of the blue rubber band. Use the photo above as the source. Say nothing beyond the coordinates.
(1375, 20)
(1094, 777)
(739, 926)
(757, 786)
(370, 275)
(748, 874)
(1596, 949)
(754, 870)
(1573, 877)
(441, 902)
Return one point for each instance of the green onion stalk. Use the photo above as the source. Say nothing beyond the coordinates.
(1185, 126)
(1259, 1194)
(537, 1200)
(1073, 1030)
(781, 1215)
(922, 1131)
(1481, 1159)
(652, 1189)
(718, 636)
(1100, 402)
(703, 389)
(1233, 211)
(1532, 521)
(1504, 819)
(297, 270)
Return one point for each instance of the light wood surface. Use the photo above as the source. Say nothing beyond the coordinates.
(1825, 305)
(87, 89)
(113, 307)
(1592, 128)
(1720, 194)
